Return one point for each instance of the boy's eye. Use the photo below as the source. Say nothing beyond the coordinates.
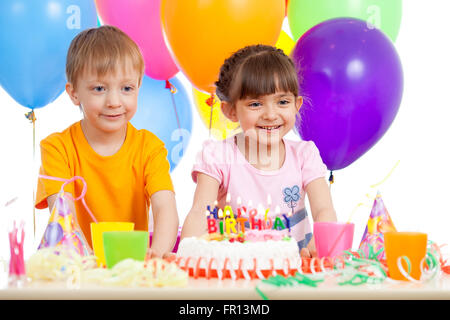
(99, 89)
(284, 102)
(127, 88)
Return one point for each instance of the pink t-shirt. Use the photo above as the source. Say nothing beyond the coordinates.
(223, 161)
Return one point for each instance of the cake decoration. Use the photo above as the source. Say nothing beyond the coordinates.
(379, 222)
(250, 243)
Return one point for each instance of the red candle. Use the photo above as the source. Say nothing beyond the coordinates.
(211, 222)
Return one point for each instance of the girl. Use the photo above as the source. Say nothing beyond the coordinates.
(258, 87)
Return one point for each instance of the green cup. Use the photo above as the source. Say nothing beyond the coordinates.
(121, 245)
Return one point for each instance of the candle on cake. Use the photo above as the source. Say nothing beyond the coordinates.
(286, 218)
(228, 211)
(239, 209)
(211, 222)
(269, 203)
(239, 213)
(221, 220)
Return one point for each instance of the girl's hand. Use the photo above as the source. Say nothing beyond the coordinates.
(205, 194)
(308, 253)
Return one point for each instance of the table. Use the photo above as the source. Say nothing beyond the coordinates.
(202, 289)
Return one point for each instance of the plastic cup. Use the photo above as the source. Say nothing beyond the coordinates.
(412, 245)
(333, 238)
(97, 230)
(121, 245)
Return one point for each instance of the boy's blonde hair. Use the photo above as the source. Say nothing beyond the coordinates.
(101, 50)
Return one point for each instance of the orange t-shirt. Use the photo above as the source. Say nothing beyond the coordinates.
(119, 187)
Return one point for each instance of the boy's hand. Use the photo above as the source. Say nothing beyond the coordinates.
(168, 256)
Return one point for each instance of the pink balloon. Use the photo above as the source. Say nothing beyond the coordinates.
(141, 20)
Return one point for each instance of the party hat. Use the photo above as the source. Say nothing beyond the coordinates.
(63, 229)
(379, 222)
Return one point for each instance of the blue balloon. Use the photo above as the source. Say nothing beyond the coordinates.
(167, 115)
(34, 39)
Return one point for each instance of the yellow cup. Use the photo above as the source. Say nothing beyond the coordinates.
(97, 230)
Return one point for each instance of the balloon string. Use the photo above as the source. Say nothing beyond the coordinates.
(387, 177)
(359, 204)
(173, 90)
(331, 178)
(83, 192)
(170, 86)
(210, 102)
(371, 198)
(32, 117)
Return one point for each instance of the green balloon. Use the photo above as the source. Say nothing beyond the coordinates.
(385, 15)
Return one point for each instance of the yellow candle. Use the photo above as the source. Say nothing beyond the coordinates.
(269, 203)
(228, 211)
(230, 225)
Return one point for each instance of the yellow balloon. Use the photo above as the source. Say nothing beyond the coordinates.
(285, 43)
(220, 127)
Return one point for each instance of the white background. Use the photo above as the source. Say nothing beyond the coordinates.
(416, 194)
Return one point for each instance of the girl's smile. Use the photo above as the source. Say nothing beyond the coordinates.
(267, 119)
(270, 128)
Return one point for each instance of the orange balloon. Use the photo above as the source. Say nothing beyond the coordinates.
(202, 34)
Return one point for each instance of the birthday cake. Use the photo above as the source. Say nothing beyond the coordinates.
(240, 247)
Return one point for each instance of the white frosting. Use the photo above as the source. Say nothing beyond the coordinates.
(279, 251)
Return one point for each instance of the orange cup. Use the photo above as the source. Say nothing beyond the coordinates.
(412, 245)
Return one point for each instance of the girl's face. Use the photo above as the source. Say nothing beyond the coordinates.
(266, 119)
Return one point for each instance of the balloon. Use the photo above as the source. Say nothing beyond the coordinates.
(34, 41)
(383, 14)
(156, 113)
(202, 34)
(285, 43)
(353, 84)
(53, 234)
(141, 20)
(221, 126)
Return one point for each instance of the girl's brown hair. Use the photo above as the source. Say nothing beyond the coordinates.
(255, 71)
(101, 50)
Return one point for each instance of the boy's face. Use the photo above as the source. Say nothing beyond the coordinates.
(108, 102)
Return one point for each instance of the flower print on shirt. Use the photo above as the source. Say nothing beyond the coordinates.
(291, 196)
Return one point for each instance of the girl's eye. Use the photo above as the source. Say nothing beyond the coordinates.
(254, 104)
(127, 88)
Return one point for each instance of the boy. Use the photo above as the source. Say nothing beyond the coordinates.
(125, 169)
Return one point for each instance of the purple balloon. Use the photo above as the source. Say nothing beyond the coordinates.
(352, 82)
(53, 234)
